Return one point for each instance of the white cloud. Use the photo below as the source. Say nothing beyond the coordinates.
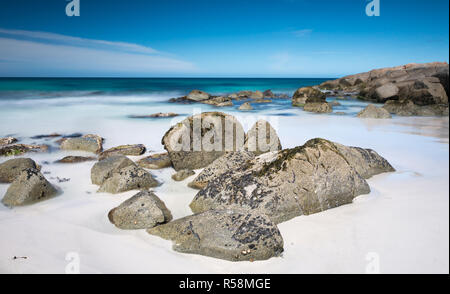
(41, 53)
(302, 33)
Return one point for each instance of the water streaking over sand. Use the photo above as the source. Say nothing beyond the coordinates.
(404, 220)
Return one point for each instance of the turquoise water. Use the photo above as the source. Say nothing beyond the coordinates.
(17, 88)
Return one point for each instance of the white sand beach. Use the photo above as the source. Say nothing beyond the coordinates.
(404, 221)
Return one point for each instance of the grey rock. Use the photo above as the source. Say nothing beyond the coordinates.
(104, 169)
(182, 175)
(307, 179)
(142, 211)
(408, 108)
(128, 178)
(218, 101)
(75, 159)
(7, 141)
(197, 95)
(225, 234)
(371, 111)
(246, 106)
(89, 143)
(18, 149)
(131, 150)
(156, 161)
(11, 169)
(29, 187)
(318, 107)
(185, 142)
(262, 138)
(310, 94)
(226, 163)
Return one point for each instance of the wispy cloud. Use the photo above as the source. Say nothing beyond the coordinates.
(27, 52)
(302, 33)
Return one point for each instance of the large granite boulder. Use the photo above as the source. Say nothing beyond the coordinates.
(226, 163)
(104, 169)
(128, 178)
(371, 111)
(89, 143)
(200, 139)
(224, 234)
(131, 150)
(29, 187)
(262, 138)
(142, 211)
(307, 179)
(11, 169)
(197, 95)
(307, 93)
(155, 161)
(423, 84)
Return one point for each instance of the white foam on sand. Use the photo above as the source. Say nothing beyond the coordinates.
(403, 222)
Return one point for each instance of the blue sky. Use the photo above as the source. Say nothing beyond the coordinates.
(217, 38)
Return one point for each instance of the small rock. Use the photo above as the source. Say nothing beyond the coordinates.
(131, 150)
(89, 143)
(318, 107)
(197, 95)
(128, 178)
(182, 175)
(7, 141)
(224, 234)
(53, 135)
(156, 161)
(371, 111)
(29, 187)
(142, 211)
(18, 149)
(75, 159)
(106, 167)
(246, 106)
(11, 169)
(156, 115)
(262, 101)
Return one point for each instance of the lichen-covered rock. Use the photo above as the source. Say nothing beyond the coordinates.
(262, 138)
(408, 108)
(182, 175)
(307, 179)
(131, 150)
(197, 95)
(200, 139)
(156, 161)
(128, 178)
(89, 143)
(318, 107)
(307, 93)
(142, 211)
(75, 159)
(371, 111)
(226, 163)
(11, 169)
(106, 167)
(224, 234)
(7, 141)
(18, 149)
(246, 106)
(29, 187)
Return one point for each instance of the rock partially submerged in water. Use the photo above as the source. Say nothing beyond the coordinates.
(224, 234)
(262, 138)
(218, 101)
(130, 150)
(200, 139)
(197, 95)
(307, 179)
(156, 161)
(303, 94)
(7, 141)
(128, 178)
(29, 187)
(182, 175)
(142, 211)
(371, 111)
(408, 108)
(226, 163)
(156, 115)
(18, 149)
(11, 169)
(246, 106)
(89, 143)
(75, 159)
(104, 169)
(318, 107)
